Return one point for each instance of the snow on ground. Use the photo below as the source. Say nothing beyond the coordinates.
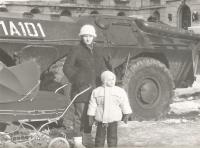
(184, 107)
(187, 99)
(191, 90)
(158, 134)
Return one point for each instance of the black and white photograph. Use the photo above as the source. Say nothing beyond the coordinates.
(99, 73)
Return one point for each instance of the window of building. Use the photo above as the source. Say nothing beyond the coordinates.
(156, 14)
(66, 13)
(121, 14)
(154, 2)
(186, 17)
(95, 2)
(145, 3)
(3, 9)
(66, 1)
(35, 11)
(94, 12)
(122, 1)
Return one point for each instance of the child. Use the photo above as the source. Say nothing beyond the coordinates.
(106, 105)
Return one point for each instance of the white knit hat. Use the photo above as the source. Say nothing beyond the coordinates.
(88, 30)
(105, 75)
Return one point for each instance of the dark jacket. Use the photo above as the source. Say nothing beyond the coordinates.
(83, 68)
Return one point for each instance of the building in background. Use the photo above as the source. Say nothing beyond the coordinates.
(179, 13)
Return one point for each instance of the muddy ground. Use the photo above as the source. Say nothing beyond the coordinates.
(180, 128)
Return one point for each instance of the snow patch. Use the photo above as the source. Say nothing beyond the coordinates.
(184, 107)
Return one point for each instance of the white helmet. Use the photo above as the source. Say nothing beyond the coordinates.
(88, 29)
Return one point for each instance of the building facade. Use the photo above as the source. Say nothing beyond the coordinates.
(179, 13)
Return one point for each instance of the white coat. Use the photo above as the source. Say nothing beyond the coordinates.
(111, 109)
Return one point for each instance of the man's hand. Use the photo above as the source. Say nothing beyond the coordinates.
(91, 120)
(125, 118)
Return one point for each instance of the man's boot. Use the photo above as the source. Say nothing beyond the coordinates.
(88, 140)
(78, 142)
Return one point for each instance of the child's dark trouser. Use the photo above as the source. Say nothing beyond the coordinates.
(111, 135)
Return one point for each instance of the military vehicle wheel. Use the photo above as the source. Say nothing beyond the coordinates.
(150, 88)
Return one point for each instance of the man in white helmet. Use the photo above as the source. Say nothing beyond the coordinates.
(83, 67)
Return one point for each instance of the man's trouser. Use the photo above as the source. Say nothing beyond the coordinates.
(111, 135)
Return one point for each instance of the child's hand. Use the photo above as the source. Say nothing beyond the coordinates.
(91, 120)
(125, 118)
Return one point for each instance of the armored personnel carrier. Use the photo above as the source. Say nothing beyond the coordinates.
(150, 59)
